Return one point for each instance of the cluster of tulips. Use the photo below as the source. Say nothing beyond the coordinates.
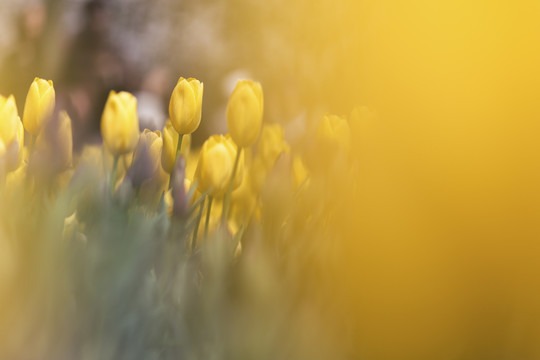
(155, 162)
(225, 176)
(143, 213)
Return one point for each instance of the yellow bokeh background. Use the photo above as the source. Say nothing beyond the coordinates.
(443, 235)
(442, 239)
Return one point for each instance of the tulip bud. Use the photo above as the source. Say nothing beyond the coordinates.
(54, 147)
(185, 106)
(64, 140)
(244, 201)
(170, 142)
(271, 144)
(245, 112)
(333, 133)
(8, 119)
(39, 105)
(15, 149)
(299, 172)
(330, 151)
(216, 162)
(119, 123)
(11, 132)
(145, 158)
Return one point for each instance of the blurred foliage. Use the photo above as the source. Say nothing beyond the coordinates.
(106, 255)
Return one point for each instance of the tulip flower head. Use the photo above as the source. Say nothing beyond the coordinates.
(330, 149)
(8, 119)
(299, 173)
(11, 132)
(245, 112)
(39, 105)
(63, 140)
(64, 137)
(244, 201)
(16, 148)
(333, 133)
(146, 157)
(185, 107)
(271, 144)
(54, 148)
(215, 166)
(119, 123)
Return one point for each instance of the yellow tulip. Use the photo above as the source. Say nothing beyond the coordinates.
(53, 151)
(215, 166)
(271, 144)
(299, 173)
(245, 112)
(333, 133)
(185, 107)
(146, 157)
(155, 143)
(39, 105)
(330, 153)
(8, 119)
(170, 142)
(64, 139)
(16, 148)
(11, 132)
(192, 160)
(146, 173)
(119, 123)
(243, 203)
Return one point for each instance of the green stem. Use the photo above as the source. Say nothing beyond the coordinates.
(197, 202)
(178, 148)
(113, 172)
(227, 199)
(208, 209)
(197, 222)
